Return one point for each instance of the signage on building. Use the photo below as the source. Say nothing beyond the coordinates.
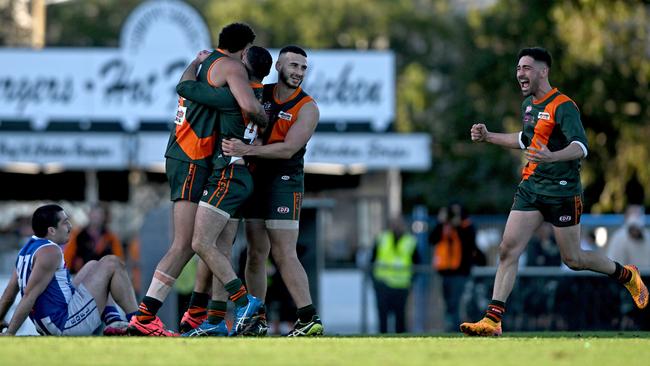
(135, 83)
(19, 151)
(371, 151)
(329, 153)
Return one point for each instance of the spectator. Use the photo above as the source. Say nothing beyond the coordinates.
(393, 257)
(455, 252)
(93, 241)
(631, 242)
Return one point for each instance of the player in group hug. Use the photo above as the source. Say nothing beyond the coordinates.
(235, 153)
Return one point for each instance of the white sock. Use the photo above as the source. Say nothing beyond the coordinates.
(161, 285)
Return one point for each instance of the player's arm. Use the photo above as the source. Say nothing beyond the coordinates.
(218, 98)
(480, 133)
(193, 68)
(568, 118)
(46, 261)
(7, 299)
(237, 80)
(297, 137)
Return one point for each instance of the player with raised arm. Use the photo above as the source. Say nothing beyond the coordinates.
(553, 141)
(189, 165)
(55, 304)
(273, 212)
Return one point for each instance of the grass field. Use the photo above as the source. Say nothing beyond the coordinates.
(515, 349)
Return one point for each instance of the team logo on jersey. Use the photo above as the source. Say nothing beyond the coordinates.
(285, 177)
(285, 116)
(529, 109)
(565, 218)
(544, 115)
(205, 192)
(180, 114)
(563, 182)
(283, 209)
(267, 106)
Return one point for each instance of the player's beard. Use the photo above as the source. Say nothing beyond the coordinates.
(286, 79)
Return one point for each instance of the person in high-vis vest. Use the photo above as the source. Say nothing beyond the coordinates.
(393, 258)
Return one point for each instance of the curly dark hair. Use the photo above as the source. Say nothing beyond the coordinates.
(235, 37)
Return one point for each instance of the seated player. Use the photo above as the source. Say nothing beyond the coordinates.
(55, 304)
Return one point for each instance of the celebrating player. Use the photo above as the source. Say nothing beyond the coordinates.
(554, 142)
(274, 211)
(228, 188)
(188, 166)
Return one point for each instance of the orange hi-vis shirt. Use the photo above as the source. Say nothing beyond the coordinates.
(282, 115)
(554, 121)
(194, 136)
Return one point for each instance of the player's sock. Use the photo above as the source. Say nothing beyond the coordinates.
(621, 274)
(237, 291)
(198, 304)
(130, 315)
(495, 310)
(161, 285)
(148, 309)
(305, 313)
(111, 314)
(216, 311)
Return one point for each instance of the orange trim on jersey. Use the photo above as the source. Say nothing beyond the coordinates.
(212, 83)
(293, 95)
(546, 96)
(256, 85)
(193, 146)
(282, 126)
(543, 129)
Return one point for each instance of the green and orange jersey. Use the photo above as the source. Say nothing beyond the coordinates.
(554, 121)
(194, 136)
(282, 115)
(232, 121)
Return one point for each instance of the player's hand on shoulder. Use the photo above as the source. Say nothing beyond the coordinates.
(202, 55)
(478, 132)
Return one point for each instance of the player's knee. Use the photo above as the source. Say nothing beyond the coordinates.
(507, 249)
(91, 263)
(181, 251)
(283, 257)
(112, 261)
(198, 246)
(256, 257)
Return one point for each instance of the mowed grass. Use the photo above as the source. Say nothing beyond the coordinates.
(517, 349)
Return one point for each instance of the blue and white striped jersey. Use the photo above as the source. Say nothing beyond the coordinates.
(52, 305)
